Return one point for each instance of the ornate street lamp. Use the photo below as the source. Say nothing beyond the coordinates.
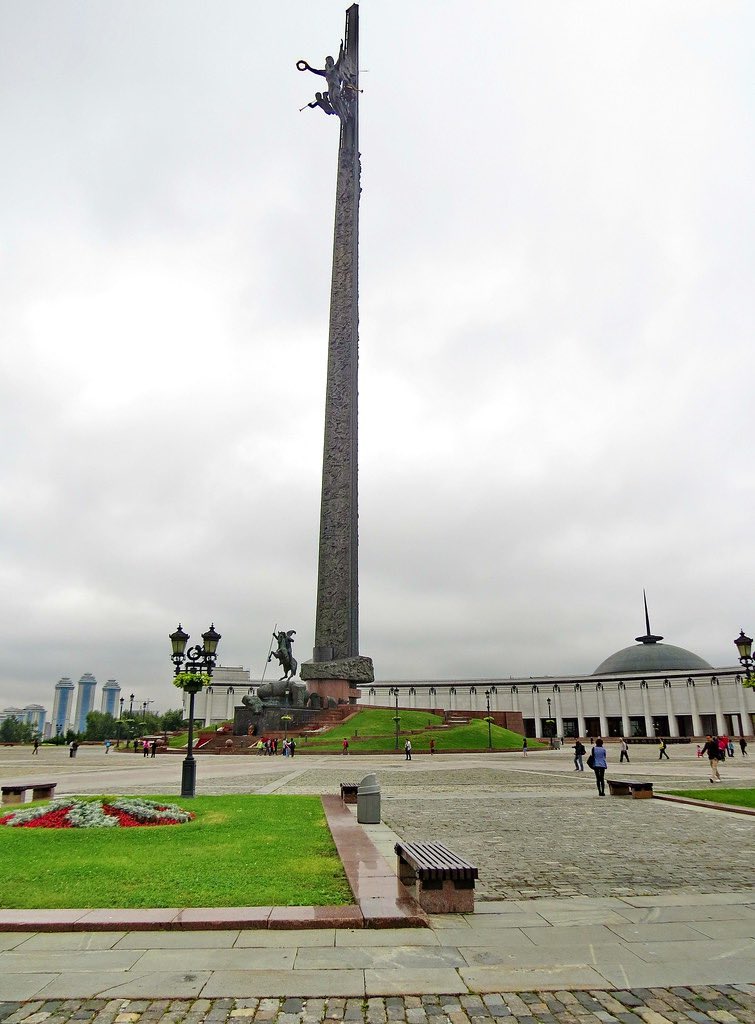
(199, 660)
(118, 725)
(490, 738)
(393, 691)
(131, 705)
(743, 644)
(550, 725)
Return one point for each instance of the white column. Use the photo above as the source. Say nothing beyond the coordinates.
(602, 709)
(649, 727)
(208, 695)
(673, 725)
(744, 715)
(626, 727)
(515, 698)
(230, 705)
(581, 727)
(720, 723)
(697, 725)
(536, 712)
(559, 713)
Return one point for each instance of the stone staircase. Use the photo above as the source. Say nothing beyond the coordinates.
(217, 743)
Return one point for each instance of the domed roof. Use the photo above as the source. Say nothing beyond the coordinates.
(650, 657)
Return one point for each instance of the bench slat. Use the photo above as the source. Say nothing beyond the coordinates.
(433, 861)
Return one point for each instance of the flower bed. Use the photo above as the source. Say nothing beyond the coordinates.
(73, 812)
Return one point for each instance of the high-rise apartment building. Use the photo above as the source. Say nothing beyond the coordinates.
(111, 691)
(84, 701)
(62, 707)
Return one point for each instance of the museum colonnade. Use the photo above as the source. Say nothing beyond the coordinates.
(683, 705)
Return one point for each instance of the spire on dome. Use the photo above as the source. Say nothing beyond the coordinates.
(648, 638)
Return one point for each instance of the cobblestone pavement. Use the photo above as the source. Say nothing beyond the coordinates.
(725, 1004)
(533, 826)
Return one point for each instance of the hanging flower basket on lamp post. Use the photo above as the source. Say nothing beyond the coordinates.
(190, 682)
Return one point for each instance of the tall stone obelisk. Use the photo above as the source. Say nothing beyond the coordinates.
(336, 666)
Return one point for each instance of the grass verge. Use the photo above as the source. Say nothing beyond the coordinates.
(247, 851)
(738, 797)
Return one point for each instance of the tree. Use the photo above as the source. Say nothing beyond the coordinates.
(172, 720)
(13, 731)
(100, 726)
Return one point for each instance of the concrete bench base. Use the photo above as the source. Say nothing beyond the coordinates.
(15, 792)
(636, 790)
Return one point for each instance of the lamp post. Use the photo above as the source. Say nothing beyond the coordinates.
(131, 705)
(199, 659)
(394, 693)
(549, 725)
(743, 644)
(118, 724)
(490, 738)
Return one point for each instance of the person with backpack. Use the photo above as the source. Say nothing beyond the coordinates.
(408, 750)
(579, 753)
(598, 761)
(662, 750)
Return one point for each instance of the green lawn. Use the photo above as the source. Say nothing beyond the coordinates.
(740, 797)
(374, 729)
(239, 851)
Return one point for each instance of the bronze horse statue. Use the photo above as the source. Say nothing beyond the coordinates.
(284, 655)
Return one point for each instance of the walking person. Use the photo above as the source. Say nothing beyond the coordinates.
(145, 748)
(408, 750)
(599, 765)
(743, 746)
(624, 755)
(712, 752)
(579, 753)
(291, 747)
(153, 748)
(662, 750)
(36, 746)
(345, 746)
(432, 747)
(524, 747)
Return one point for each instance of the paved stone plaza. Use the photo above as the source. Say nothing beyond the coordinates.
(586, 905)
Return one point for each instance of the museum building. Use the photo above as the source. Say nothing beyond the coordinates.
(646, 690)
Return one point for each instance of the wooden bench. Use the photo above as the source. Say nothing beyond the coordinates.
(349, 792)
(15, 792)
(637, 790)
(445, 882)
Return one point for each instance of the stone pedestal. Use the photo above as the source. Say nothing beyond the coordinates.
(338, 678)
(269, 720)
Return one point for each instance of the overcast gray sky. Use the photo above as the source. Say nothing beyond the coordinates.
(556, 332)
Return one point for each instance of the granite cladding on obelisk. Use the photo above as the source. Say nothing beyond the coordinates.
(337, 616)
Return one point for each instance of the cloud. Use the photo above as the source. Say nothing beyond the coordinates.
(556, 320)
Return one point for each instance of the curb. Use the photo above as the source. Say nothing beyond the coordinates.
(708, 804)
(381, 900)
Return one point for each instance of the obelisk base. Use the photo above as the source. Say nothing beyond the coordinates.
(338, 678)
